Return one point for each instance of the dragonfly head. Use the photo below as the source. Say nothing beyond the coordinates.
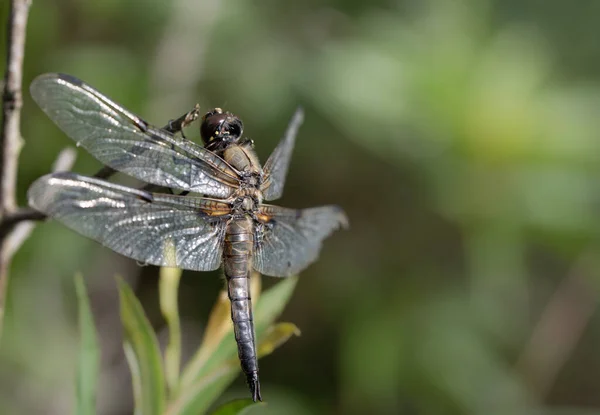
(219, 129)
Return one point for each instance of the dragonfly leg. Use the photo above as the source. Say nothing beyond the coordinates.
(155, 188)
(105, 172)
(177, 125)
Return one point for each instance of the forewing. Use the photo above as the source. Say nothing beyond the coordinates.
(157, 229)
(277, 165)
(127, 143)
(289, 240)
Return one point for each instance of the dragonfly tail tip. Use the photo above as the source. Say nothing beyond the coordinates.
(254, 385)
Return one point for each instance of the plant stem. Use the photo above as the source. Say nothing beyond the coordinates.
(10, 134)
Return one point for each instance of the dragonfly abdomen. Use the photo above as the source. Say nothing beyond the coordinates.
(237, 264)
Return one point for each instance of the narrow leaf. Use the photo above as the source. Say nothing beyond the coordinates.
(275, 336)
(89, 354)
(236, 407)
(143, 355)
(272, 304)
(218, 327)
(168, 289)
(197, 398)
(269, 307)
(222, 366)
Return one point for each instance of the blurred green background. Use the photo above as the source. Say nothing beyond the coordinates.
(461, 137)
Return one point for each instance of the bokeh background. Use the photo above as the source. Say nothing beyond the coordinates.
(461, 137)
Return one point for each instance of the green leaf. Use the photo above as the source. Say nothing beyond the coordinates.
(275, 336)
(143, 355)
(197, 398)
(218, 327)
(168, 287)
(272, 302)
(268, 308)
(89, 355)
(236, 407)
(221, 367)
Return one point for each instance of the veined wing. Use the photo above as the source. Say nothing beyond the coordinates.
(277, 165)
(289, 240)
(165, 230)
(127, 143)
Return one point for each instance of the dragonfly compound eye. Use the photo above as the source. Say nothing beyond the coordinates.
(211, 126)
(219, 126)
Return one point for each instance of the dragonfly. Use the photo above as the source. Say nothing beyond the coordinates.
(217, 220)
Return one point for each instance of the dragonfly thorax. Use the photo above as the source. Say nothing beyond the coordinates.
(246, 204)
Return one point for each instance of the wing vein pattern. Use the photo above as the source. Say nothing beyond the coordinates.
(152, 228)
(277, 164)
(126, 143)
(290, 240)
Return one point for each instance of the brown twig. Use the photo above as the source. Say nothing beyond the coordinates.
(11, 220)
(10, 134)
(10, 139)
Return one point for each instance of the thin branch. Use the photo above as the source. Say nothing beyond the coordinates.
(10, 138)
(64, 162)
(23, 214)
(10, 134)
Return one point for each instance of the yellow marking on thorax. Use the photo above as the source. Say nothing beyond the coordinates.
(217, 212)
(263, 218)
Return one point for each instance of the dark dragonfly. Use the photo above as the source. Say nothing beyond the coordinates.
(223, 222)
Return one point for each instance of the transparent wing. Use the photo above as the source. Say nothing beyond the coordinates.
(276, 167)
(289, 240)
(125, 142)
(152, 228)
